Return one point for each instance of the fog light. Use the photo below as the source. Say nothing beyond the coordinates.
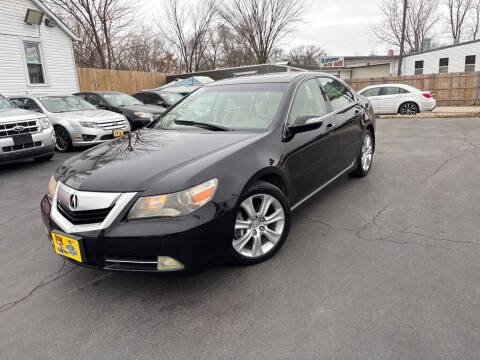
(166, 263)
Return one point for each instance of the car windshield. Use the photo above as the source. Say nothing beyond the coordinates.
(58, 104)
(171, 98)
(239, 106)
(5, 104)
(121, 100)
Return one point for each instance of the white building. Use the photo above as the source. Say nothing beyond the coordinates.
(35, 58)
(453, 58)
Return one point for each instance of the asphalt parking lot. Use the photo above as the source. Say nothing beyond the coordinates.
(385, 267)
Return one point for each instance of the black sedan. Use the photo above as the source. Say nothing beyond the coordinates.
(164, 99)
(215, 179)
(134, 110)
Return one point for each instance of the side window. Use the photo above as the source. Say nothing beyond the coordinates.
(33, 57)
(371, 92)
(470, 63)
(390, 90)
(403, 91)
(308, 100)
(337, 93)
(419, 67)
(95, 99)
(140, 96)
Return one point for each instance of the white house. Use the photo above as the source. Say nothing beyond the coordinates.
(36, 51)
(453, 58)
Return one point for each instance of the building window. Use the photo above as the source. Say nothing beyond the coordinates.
(443, 65)
(470, 63)
(33, 57)
(419, 67)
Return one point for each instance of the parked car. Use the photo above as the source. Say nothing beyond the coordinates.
(165, 99)
(191, 191)
(76, 122)
(24, 134)
(398, 99)
(137, 113)
(185, 86)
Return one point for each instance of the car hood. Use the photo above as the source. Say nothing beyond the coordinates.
(160, 161)
(10, 115)
(154, 109)
(86, 115)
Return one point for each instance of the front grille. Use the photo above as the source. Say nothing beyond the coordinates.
(113, 125)
(21, 147)
(29, 127)
(84, 216)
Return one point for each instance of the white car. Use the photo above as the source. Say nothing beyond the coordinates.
(398, 99)
(76, 122)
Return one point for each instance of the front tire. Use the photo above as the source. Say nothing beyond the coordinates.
(262, 224)
(63, 141)
(365, 157)
(408, 108)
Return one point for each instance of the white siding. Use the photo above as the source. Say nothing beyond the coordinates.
(59, 64)
(455, 54)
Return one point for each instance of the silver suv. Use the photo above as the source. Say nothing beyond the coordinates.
(76, 122)
(24, 134)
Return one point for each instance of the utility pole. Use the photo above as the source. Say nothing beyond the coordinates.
(402, 41)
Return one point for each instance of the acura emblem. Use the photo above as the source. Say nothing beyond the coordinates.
(18, 128)
(73, 201)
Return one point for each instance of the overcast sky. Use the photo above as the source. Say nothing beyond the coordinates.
(340, 27)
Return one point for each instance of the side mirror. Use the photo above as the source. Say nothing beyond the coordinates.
(103, 107)
(305, 123)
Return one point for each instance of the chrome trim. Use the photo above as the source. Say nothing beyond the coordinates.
(131, 261)
(121, 201)
(323, 186)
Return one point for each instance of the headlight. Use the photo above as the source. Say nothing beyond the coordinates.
(176, 204)
(45, 123)
(143, 115)
(88, 124)
(52, 186)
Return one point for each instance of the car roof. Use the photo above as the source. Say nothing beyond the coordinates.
(36, 95)
(100, 92)
(387, 85)
(283, 77)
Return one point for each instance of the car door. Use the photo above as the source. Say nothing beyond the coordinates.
(389, 99)
(311, 155)
(349, 115)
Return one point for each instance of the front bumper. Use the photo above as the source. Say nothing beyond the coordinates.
(198, 241)
(93, 136)
(43, 144)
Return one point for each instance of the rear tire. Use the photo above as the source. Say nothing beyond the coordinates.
(365, 157)
(44, 158)
(63, 141)
(408, 108)
(262, 224)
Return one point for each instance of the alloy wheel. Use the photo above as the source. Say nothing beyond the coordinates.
(62, 139)
(408, 109)
(259, 226)
(367, 152)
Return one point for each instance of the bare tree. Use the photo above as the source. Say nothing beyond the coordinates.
(421, 18)
(306, 54)
(457, 11)
(102, 25)
(474, 20)
(185, 26)
(261, 24)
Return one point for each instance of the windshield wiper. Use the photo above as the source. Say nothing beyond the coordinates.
(202, 124)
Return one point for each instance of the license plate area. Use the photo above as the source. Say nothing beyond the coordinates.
(117, 133)
(68, 246)
(22, 139)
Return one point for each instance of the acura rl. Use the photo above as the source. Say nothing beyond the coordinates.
(214, 179)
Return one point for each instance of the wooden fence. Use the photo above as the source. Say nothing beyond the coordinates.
(449, 89)
(117, 80)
